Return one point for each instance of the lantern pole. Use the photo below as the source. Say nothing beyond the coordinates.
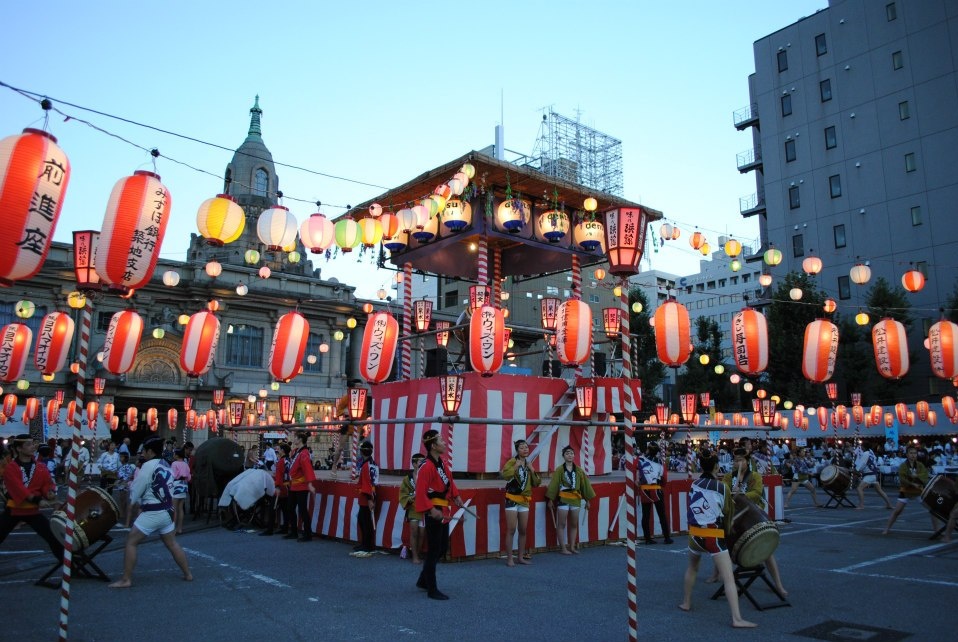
(497, 276)
(630, 462)
(406, 320)
(86, 321)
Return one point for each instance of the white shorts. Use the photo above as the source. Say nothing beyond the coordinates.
(868, 478)
(518, 509)
(565, 507)
(154, 521)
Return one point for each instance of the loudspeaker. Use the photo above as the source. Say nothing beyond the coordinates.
(437, 362)
(551, 368)
(599, 361)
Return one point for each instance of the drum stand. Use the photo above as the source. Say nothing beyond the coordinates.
(744, 578)
(83, 565)
(837, 498)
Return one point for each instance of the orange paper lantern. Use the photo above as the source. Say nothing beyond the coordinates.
(380, 340)
(913, 280)
(820, 350)
(943, 349)
(122, 341)
(574, 332)
(289, 345)
(15, 341)
(890, 343)
(750, 341)
(53, 342)
(199, 343)
(486, 333)
(673, 340)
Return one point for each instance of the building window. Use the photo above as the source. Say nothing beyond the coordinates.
(260, 182)
(103, 321)
(312, 348)
(794, 200)
(904, 113)
(723, 317)
(798, 245)
(786, 105)
(722, 283)
(891, 11)
(451, 299)
(593, 298)
(839, 233)
(916, 215)
(734, 279)
(835, 186)
(922, 266)
(821, 48)
(825, 89)
(831, 141)
(789, 151)
(782, 61)
(844, 288)
(710, 285)
(910, 163)
(711, 301)
(245, 347)
(745, 278)
(897, 60)
(698, 305)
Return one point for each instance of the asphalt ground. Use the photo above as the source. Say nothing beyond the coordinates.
(845, 580)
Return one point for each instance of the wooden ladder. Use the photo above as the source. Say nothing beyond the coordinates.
(561, 411)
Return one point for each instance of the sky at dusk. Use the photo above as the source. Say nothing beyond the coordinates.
(380, 92)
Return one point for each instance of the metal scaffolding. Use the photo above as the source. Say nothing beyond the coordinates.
(571, 151)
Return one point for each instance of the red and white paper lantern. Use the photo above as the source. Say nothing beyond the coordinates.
(378, 353)
(943, 349)
(890, 343)
(750, 341)
(199, 343)
(34, 173)
(289, 345)
(15, 339)
(574, 332)
(673, 338)
(133, 230)
(122, 341)
(820, 350)
(53, 342)
(486, 334)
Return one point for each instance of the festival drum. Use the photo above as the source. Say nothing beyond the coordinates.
(752, 537)
(939, 496)
(835, 478)
(96, 514)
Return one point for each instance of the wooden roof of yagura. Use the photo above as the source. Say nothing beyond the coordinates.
(524, 252)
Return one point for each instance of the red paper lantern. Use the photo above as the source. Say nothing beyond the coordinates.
(211, 419)
(152, 419)
(948, 406)
(875, 412)
(132, 417)
(943, 349)
(289, 345)
(921, 409)
(822, 413)
(932, 418)
(913, 280)
(422, 314)
(797, 417)
(53, 342)
(132, 231)
(199, 343)
(53, 412)
(901, 411)
(585, 400)
(71, 412)
(172, 417)
(219, 394)
(114, 423)
(625, 239)
(108, 411)
(858, 415)
(750, 341)
(574, 332)
(612, 322)
(889, 420)
(122, 341)
(187, 403)
(190, 419)
(442, 333)
(9, 404)
(92, 410)
(486, 331)
(237, 408)
(34, 173)
(380, 341)
(890, 343)
(15, 341)
(30, 409)
(287, 406)
(673, 339)
(549, 311)
(910, 418)
(820, 350)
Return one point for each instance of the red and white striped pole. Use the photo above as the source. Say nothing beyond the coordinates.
(630, 475)
(497, 277)
(83, 351)
(354, 454)
(407, 321)
(482, 261)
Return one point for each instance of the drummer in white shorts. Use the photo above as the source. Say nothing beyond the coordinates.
(152, 490)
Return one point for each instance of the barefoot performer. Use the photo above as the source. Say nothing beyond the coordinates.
(522, 479)
(569, 487)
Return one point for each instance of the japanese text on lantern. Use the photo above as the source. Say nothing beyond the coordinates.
(144, 241)
(43, 204)
(881, 349)
(44, 342)
(487, 341)
(377, 342)
(738, 339)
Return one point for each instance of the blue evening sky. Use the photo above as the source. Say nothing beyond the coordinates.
(380, 92)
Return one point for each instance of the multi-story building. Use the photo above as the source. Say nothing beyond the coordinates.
(854, 122)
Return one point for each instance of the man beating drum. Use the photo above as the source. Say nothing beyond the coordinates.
(27, 482)
(912, 477)
(867, 465)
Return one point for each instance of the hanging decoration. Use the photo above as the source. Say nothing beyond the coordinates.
(288, 346)
(750, 341)
(820, 350)
(378, 352)
(574, 332)
(276, 228)
(890, 343)
(486, 331)
(553, 225)
(673, 340)
(34, 173)
(624, 232)
(220, 220)
(347, 234)
(54, 338)
(15, 339)
(457, 214)
(943, 349)
(199, 343)
(122, 341)
(913, 281)
(132, 232)
(589, 234)
(317, 233)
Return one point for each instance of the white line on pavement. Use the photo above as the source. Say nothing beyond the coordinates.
(258, 576)
(19, 552)
(837, 525)
(889, 558)
(882, 576)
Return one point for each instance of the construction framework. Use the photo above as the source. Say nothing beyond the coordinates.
(576, 153)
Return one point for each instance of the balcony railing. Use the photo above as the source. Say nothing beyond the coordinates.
(749, 159)
(751, 205)
(745, 117)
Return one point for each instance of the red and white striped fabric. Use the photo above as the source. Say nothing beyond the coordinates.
(486, 340)
(379, 347)
(574, 332)
(480, 448)
(15, 341)
(289, 345)
(53, 342)
(890, 343)
(609, 394)
(133, 230)
(943, 349)
(673, 338)
(122, 341)
(820, 350)
(34, 173)
(199, 343)
(750, 341)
